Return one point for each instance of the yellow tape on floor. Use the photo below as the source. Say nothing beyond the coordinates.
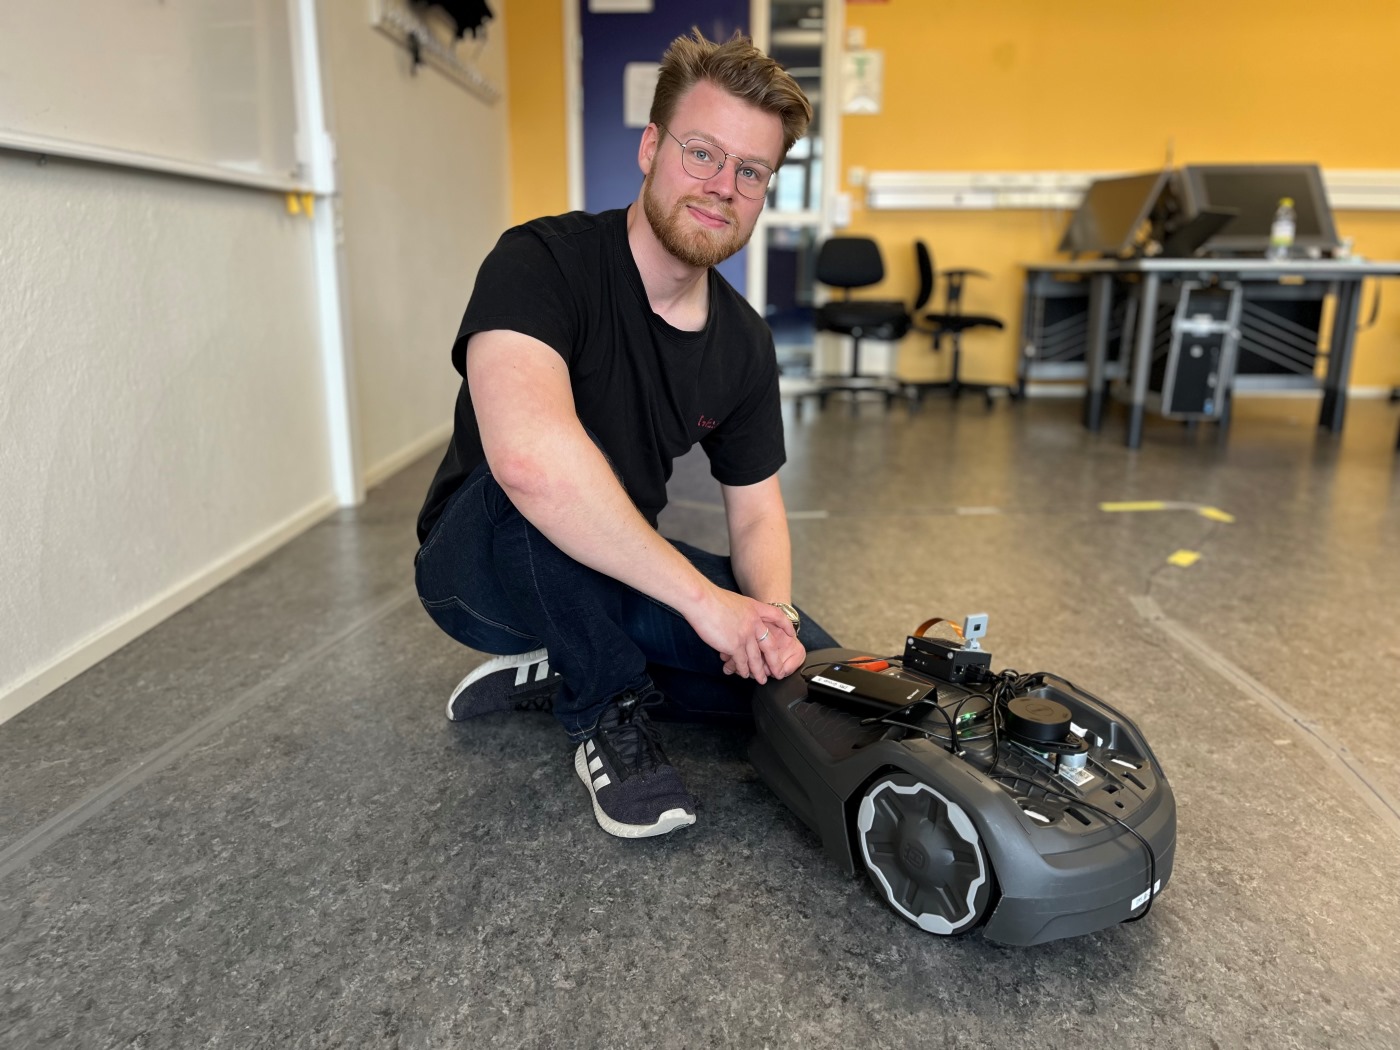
(1133, 505)
(1185, 559)
(1121, 506)
(1215, 514)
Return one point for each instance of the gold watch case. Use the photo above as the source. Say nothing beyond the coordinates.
(791, 613)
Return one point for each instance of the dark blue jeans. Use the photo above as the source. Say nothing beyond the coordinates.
(492, 581)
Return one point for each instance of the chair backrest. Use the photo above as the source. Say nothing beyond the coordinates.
(928, 281)
(850, 262)
(925, 258)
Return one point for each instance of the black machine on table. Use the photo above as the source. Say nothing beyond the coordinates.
(1187, 303)
(1018, 803)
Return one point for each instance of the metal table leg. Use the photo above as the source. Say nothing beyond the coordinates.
(1096, 350)
(1142, 358)
(1032, 305)
(1334, 383)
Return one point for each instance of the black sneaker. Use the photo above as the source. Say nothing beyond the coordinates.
(505, 683)
(636, 792)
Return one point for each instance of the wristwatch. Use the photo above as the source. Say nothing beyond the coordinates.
(791, 613)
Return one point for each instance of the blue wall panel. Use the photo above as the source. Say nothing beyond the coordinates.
(611, 178)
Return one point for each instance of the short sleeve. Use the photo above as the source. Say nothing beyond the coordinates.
(521, 288)
(747, 447)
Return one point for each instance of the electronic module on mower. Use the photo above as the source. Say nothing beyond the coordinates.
(1019, 803)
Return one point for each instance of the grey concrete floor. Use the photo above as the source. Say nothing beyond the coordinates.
(253, 827)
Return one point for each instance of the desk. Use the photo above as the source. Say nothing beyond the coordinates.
(1344, 279)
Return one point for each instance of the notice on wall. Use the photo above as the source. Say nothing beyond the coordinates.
(862, 81)
(638, 86)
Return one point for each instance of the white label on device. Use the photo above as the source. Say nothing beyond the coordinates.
(1078, 777)
(1141, 898)
(845, 687)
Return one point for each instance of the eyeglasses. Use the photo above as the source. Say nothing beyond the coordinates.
(705, 160)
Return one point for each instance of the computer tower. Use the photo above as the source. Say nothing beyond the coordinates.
(1194, 358)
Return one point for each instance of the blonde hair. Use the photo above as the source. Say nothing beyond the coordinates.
(740, 69)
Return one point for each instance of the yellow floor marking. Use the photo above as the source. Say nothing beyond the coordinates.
(1185, 559)
(1133, 505)
(1216, 514)
(1213, 513)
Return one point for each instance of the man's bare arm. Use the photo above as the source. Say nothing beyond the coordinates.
(761, 552)
(558, 479)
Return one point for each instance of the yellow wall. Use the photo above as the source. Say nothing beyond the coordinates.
(535, 94)
(1085, 85)
(1068, 85)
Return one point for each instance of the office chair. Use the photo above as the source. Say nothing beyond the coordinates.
(951, 323)
(855, 262)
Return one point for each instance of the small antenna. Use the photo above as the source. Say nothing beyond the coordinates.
(1171, 151)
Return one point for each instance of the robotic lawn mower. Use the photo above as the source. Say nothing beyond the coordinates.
(1019, 803)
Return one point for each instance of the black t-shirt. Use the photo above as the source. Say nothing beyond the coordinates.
(647, 391)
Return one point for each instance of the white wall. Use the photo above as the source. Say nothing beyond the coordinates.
(162, 406)
(423, 173)
(160, 399)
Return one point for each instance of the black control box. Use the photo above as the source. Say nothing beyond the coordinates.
(864, 692)
(946, 660)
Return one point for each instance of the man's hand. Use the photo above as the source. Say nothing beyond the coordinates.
(779, 652)
(754, 639)
(782, 652)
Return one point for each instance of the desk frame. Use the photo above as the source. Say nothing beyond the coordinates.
(1345, 280)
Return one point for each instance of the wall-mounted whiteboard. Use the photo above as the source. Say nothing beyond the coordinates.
(197, 87)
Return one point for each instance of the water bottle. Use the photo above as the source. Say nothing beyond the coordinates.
(1284, 227)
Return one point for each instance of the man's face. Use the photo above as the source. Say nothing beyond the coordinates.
(702, 222)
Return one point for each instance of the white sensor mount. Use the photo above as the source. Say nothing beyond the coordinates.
(974, 627)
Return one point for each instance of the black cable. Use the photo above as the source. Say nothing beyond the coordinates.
(885, 720)
(953, 740)
(1007, 685)
(925, 731)
(999, 684)
(1107, 816)
(1000, 689)
(908, 709)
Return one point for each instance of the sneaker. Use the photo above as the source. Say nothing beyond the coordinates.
(505, 683)
(636, 793)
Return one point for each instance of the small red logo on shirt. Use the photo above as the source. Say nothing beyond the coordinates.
(706, 422)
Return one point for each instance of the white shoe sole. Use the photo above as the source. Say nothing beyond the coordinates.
(492, 666)
(667, 822)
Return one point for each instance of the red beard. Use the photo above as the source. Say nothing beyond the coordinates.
(680, 235)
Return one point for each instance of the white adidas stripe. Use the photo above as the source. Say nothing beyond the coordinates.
(601, 782)
(596, 764)
(522, 673)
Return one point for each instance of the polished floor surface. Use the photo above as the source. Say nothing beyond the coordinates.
(254, 827)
